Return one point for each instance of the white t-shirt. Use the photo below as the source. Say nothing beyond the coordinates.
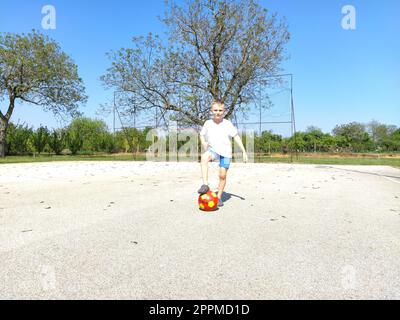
(219, 135)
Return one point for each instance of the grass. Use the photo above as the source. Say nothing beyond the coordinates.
(50, 158)
(335, 159)
(385, 160)
(395, 162)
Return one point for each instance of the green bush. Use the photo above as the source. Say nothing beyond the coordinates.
(57, 140)
(40, 138)
(19, 139)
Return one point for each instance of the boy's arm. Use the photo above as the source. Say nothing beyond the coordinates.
(240, 144)
(203, 134)
(204, 142)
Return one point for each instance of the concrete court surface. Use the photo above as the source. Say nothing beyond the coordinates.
(132, 230)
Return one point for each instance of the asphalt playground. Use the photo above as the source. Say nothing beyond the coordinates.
(132, 230)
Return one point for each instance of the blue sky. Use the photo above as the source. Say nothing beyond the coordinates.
(340, 75)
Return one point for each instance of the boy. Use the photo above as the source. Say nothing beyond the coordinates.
(215, 137)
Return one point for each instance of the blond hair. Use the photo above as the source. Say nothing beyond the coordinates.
(218, 101)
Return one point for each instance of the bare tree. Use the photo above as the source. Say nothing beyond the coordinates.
(215, 49)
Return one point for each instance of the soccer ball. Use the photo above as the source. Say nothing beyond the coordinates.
(208, 201)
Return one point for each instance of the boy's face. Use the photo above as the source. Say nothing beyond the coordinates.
(217, 111)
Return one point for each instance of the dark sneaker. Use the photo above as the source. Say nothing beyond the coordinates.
(220, 203)
(203, 189)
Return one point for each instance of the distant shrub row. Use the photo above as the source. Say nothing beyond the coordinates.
(88, 136)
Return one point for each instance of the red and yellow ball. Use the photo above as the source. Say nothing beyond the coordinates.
(208, 201)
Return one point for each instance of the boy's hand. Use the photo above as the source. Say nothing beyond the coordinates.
(245, 158)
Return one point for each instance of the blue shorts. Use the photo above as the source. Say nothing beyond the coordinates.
(224, 162)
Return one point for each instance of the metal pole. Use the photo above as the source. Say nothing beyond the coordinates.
(135, 130)
(293, 117)
(114, 116)
(259, 151)
(260, 110)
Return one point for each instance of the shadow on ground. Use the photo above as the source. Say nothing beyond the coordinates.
(227, 196)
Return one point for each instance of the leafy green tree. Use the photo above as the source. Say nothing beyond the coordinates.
(40, 138)
(121, 142)
(90, 131)
(34, 70)
(327, 143)
(107, 142)
(296, 142)
(268, 142)
(57, 140)
(19, 139)
(380, 134)
(313, 138)
(132, 136)
(313, 129)
(74, 141)
(395, 137)
(144, 144)
(352, 136)
(391, 142)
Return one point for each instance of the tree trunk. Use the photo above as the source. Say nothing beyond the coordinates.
(3, 132)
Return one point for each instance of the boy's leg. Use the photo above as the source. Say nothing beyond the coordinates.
(222, 181)
(206, 157)
(224, 164)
